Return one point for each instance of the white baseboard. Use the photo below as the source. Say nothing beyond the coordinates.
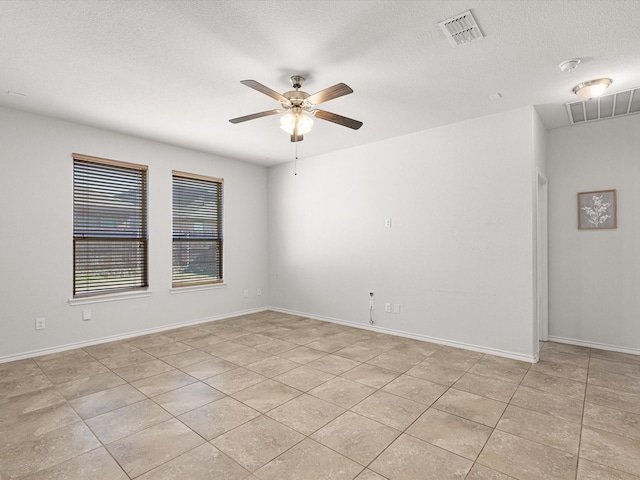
(124, 336)
(440, 341)
(415, 336)
(599, 346)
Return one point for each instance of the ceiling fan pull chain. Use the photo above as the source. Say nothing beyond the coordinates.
(295, 162)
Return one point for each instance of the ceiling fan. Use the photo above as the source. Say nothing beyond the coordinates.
(299, 107)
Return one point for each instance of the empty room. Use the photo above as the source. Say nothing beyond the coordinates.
(320, 240)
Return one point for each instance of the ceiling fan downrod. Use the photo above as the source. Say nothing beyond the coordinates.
(296, 81)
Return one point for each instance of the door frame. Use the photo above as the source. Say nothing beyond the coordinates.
(542, 259)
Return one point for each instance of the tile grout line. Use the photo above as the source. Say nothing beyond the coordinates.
(404, 432)
(496, 425)
(584, 401)
(102, 444)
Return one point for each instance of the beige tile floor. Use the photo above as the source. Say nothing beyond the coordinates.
(270, 396)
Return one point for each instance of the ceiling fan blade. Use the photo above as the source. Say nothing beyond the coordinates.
(266, 90)
(330, 93)
(254, 116)
(339, 119)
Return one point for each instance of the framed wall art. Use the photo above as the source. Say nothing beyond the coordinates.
(597, 210)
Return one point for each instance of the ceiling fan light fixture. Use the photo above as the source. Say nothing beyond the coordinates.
(591, 89)
(289, 120)
(300, 107)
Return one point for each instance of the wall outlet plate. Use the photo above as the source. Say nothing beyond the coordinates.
(40, 323)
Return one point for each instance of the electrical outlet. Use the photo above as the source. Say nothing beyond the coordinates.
(40, 323)
(387, 223)
(259, 291)
(387, 307)
(246, 294)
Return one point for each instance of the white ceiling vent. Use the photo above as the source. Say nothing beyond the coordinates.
(618, 104)
(461, 29)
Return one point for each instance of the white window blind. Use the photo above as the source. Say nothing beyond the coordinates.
(109, 226)
(197, 229)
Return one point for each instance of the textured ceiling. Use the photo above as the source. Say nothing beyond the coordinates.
(171, 70)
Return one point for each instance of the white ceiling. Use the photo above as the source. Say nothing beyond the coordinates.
(171, 70)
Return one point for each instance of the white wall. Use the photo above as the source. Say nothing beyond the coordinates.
(458, 258)
(595, 275)
(540, 234)
(36, 250)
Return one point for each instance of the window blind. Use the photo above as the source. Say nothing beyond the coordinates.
(197, 229)
(109, 226)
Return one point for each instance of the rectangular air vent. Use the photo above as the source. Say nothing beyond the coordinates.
(613, 105)
(461, 29)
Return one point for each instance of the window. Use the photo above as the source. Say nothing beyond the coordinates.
(109, 226)
(197, 230)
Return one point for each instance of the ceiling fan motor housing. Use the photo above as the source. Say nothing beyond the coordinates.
(295, 97)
